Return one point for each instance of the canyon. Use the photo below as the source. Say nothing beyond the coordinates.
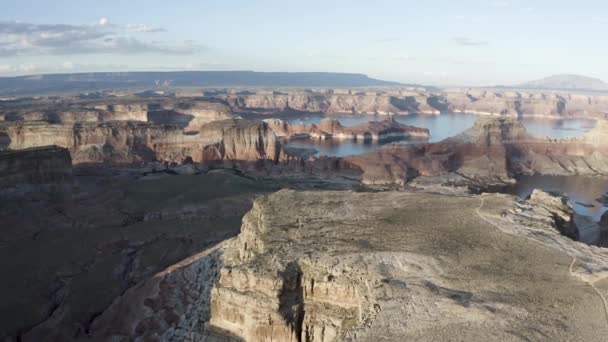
(166, 218)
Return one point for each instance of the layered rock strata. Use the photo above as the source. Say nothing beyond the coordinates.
(128, 141)
(334, 104)
(480, 101)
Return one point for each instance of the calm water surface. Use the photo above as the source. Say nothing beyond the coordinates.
(440, 126)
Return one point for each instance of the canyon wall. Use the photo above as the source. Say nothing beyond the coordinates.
(479, 101)
(35, 166)
(335, 104)
(130, 141)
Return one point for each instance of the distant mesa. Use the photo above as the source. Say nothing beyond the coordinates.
(121, 80)
(567, 82)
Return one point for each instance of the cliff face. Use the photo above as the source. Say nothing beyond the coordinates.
(332, 266)
(241, 140)
(35, 166)
(480, 101)
(333, 104)
(25, 135)
(127, 142)
(521, 103)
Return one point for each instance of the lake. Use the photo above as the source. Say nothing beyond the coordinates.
(440, 126)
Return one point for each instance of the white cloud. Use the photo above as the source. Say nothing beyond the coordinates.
(68, 66)
(21, 39)
(466, 41)
(143, 28)
(103, 21)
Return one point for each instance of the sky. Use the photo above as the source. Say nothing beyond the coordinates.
(440, 42)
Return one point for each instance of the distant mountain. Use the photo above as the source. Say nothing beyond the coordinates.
(56, 83)
(567, 82)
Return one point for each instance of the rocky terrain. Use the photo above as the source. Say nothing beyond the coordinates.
(380, 278)
(137, 203)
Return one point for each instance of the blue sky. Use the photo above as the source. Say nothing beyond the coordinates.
(466, 42)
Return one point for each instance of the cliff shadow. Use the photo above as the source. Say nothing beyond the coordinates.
(169, 117)
(5, 141)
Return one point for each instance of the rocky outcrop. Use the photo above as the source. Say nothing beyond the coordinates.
(35, 166)
(332, 266)
(557, 208)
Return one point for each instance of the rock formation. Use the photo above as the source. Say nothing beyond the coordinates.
(333, 266)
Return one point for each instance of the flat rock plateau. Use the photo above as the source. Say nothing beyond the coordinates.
(186, 216)
(325, 266)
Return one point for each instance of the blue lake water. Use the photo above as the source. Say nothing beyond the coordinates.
(440, 126)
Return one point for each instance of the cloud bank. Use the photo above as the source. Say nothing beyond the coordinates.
(27, 39)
